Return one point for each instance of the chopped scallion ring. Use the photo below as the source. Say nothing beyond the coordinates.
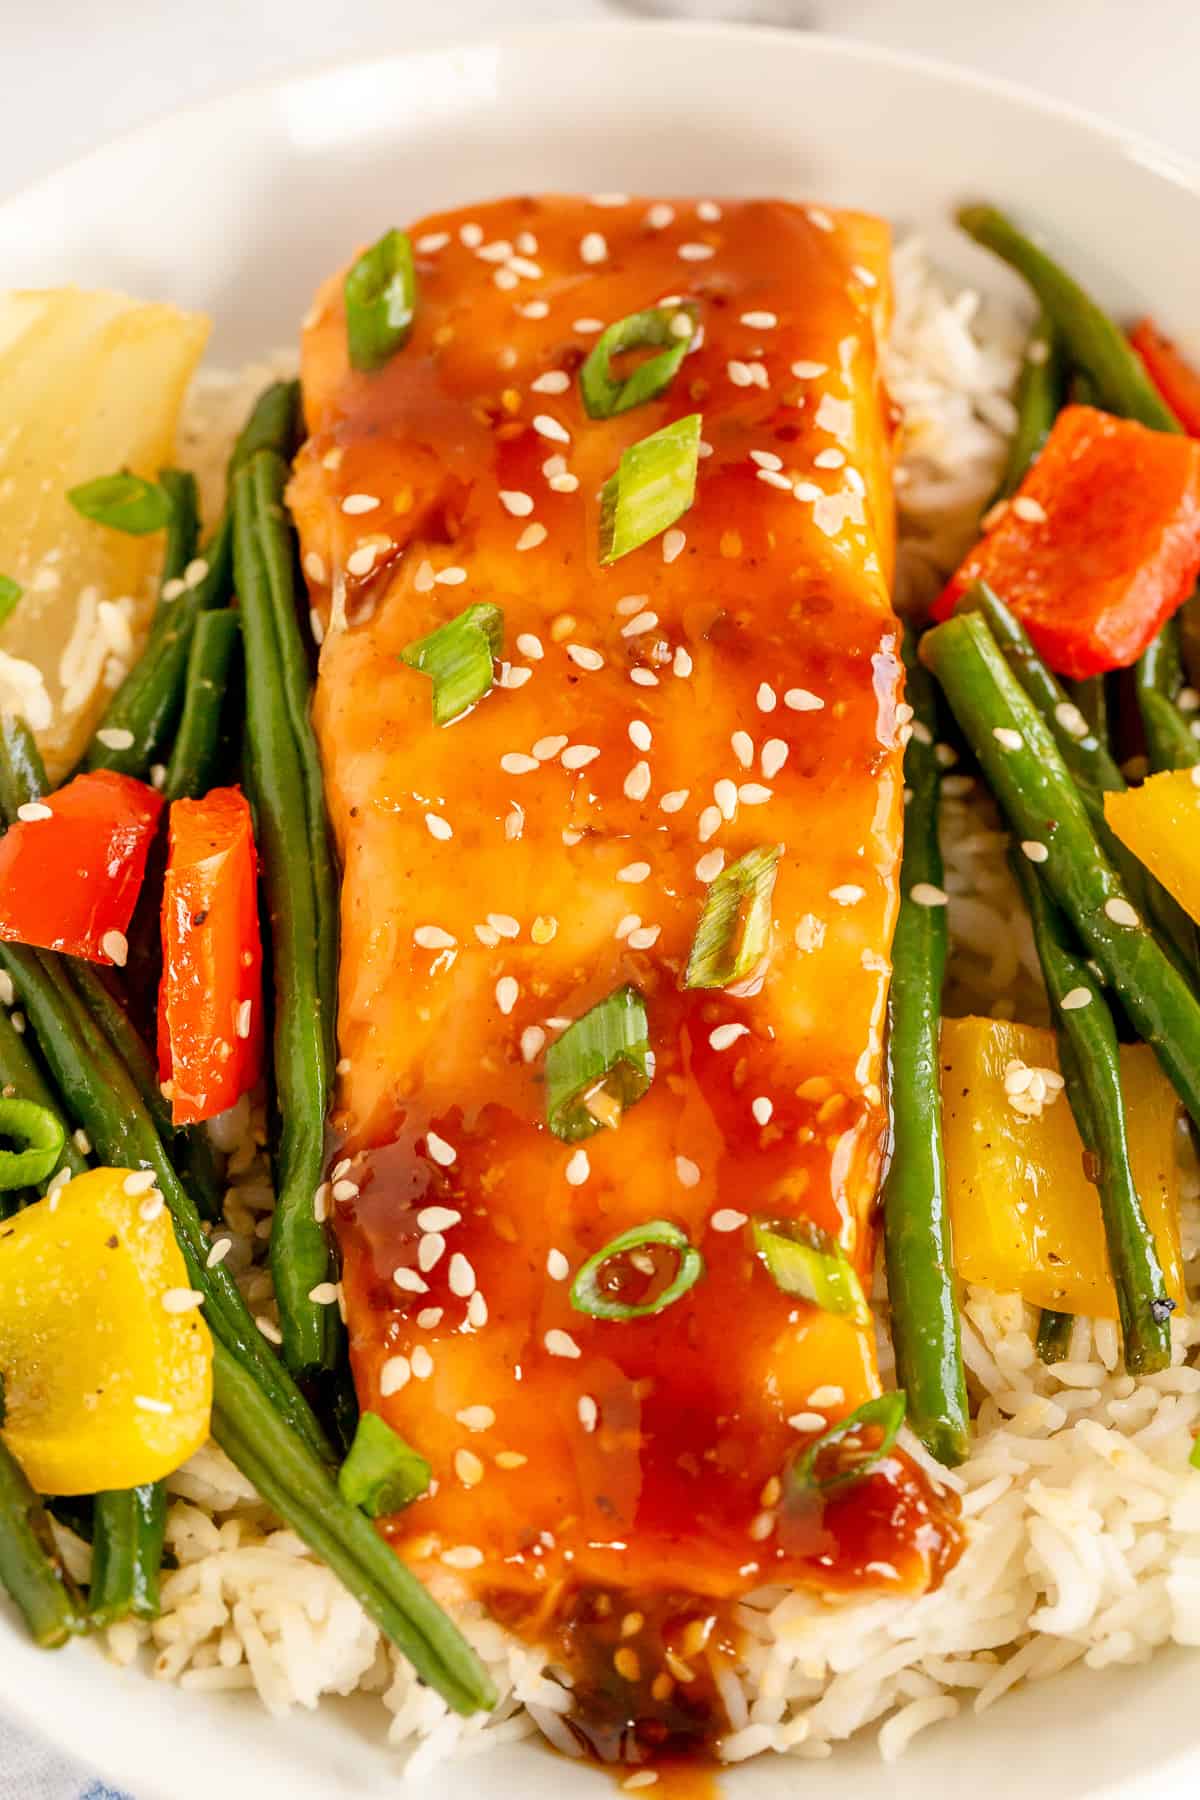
(39, 1137)
(459, 658)
(587, 1295)
(123, 502)
(10, 593)
(601, 1060)
(605, 394)
(734, 933)
(380, 293)
(803, 1261)
(382, 1473)
(884, 1414)
(654, 485)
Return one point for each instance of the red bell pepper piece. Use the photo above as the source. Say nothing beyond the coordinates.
(69, 876)
(210, 1013)
(1174, 377)
(1098, 546)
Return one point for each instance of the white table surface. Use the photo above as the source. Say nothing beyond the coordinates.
(77, 73)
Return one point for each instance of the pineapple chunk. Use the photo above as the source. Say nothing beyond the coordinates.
(107, 1367)
(89, 383)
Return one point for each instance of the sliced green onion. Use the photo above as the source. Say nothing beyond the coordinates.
(382, 1474)
(380, 292)
(10, 593)
(801, 1259)
(654, 485)
(123, 502)
(605, 394)
(884, 1414)
(600, 1065)
(40, 1137)
(734, 933)
(587, 1296)
(459, 658)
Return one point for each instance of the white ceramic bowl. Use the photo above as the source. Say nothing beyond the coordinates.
(237, 207)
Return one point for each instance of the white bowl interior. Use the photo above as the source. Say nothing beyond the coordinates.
(238, 207)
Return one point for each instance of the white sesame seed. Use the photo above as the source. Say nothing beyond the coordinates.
(710, 865)
(561, 1343)
(637, 782)
(424, 578)
(687, 1172)
(181, 1300)
(462, 1556)
(507, 993)
(641, 1778)
(833, 458)
(32, 812)
(429, 1251)
(725, 794)
(432, 937)
(409, 1282)
(498, 251)
(627, 923)
(441, 1152)
(269, 1330)
(557, 1266)
(585, 657)
(675, 800)
(344, 1190)
(753, 793)
(533, 1040)
(848, 894)
(534, 309)
(549, 427)
(1026, 507)
(476, 1418)
(634, 872)
(522, 265)
(807, 490)
(722, 1036)
(219, 1251)
(801, 700)
(461, 1276)
(1120, 911)
(360, 503)
(547, 748)
(515, 762)
(394, 1375)
(643, 677)
(1036, 852)
(776, 481)
(644, 937)
(241, 1024)
(362, 560)
(530, 646)
(727, 1219)
(660, 215)
(195, 572)
(765, 698)
(519, 504)
(564, 484)
(681, 664)
(760, 321)
(438, 827)
(1077, 998)
(477, 1312)
(454, 576)
(672, 544)
(468, 1468)
(578, 756)
(774, 755)
(766, 459)
(593, 248)
(924, 893)
(438, 1218)
(554, 381)
(709, 823)
(115, 946)
(138, 1181)
(578, 1168)
(433, 241)
(532, 536)
(587, 326)
(588, 1412)
(762, 1108)
(739, 373)
(144, 1403)
(421, 1363)
(115, 737)
(1007, 737)
(809, 371)
(324, 1294)
(695, 252)
(645, 621)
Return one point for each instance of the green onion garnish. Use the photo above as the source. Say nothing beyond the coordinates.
(801, 1259)
(605, 394)
(380, 292)
(10, 593)
(123, 502)
(382, 1473)
(884, 1414)
(39, 1138)
(734, 933)
(587, 1296)
(654, 485)
(459, 658)
(600, 1065)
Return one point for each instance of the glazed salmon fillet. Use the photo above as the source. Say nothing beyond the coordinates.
(730, 685)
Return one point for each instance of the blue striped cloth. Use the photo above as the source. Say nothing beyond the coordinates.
(30, 1770)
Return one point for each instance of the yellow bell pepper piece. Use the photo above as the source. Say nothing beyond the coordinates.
(1160, 823)
(1025, 1218)
(105, 1384)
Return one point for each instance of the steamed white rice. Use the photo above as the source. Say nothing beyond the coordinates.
(1083, 1515)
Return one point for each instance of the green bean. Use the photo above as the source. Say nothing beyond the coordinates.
(1032, 785)
(1093, 768)
(1170, 741)
(1090, 1059)
(306, 1495)
(1089, 337)
(195, 759)
(301, 901)
(1041, 389)
(916, 1218)
(22, 772)
(1091, 697)
(1054, 1335)
(98, 1090)
(21, 1075)
(30, 1566)
(127, 1547)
